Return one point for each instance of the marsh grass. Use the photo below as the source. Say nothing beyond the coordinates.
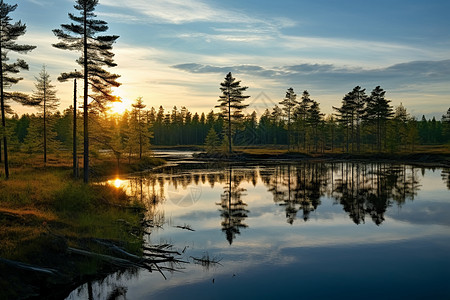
(35, 202)
(281, 149)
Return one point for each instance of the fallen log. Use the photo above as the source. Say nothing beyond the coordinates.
(159, 250)
(27, 267)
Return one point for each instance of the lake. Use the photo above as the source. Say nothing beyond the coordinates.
(291, 230)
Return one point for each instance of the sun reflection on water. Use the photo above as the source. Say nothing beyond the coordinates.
(117, 183)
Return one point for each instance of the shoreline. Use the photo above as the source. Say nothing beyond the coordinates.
(422, 159)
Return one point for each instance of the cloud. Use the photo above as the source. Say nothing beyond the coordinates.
(199, 68)
(40, 2)
(410, 83)
(185, 11)
(411, 72)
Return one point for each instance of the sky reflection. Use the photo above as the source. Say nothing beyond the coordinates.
(323, 228)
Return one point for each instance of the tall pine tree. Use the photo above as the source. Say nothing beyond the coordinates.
(231, 105)
(378, 111)
(82, 35)
(289, 103)
(9, 33)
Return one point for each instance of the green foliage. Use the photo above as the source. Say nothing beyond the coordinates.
(212, 141)
(34, 140)
(74, 199)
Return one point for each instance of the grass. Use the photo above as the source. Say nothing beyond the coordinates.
(39, 200)
(278, 150)
(43, 211)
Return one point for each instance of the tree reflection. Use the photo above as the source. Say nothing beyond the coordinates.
(446, 176)
(296, 188)
(233, 209)
(362, 189)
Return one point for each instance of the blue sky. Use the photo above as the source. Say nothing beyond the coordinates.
(176, 52)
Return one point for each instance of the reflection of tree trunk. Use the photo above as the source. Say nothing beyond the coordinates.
(90, 292)
(232, 207)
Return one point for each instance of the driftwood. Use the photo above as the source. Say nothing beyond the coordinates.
(27, 267)
(160, 249)
(152, 256)
(186, 227)
(206, 261)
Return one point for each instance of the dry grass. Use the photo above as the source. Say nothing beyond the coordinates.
(35, 201)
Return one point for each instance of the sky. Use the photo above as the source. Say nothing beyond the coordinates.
(177, 52)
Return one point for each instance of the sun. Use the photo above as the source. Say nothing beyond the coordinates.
(119, 107)
(122, 103)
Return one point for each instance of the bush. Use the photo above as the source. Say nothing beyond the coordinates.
(74, 198)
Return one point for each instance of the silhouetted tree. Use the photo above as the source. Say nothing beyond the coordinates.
(82, 36)
(9, 33)
(289, 103)
(301, 118)
(378, 111)
(446, 126)
(140, 127)
(314, 121)
(231, 105)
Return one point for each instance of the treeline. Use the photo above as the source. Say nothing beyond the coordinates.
(132, 133)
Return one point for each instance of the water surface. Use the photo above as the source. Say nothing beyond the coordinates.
(297, 230)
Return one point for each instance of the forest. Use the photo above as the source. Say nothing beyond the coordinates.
(363, 123)
(350, 130)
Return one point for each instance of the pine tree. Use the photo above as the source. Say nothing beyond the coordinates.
(378, 111)
(350, 115)
(399, 124)
(231, 105)
(359, 100)
(82, 36)
(34, 140)
(301, 116)
(345, 116)
(45, 98)
(446, 126)
(9, 33)
(212, 141)
(140, 128)
(289, 103)
(314, 121)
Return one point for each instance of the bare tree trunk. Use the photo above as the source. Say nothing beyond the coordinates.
(74, 130)
(229, 122)
(2, 101)
(45, 125)
(85, 104)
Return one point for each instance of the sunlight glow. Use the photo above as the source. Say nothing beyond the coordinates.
(120, 107)
(118, 183)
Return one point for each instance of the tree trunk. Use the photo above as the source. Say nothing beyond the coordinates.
(229, 122)
(74, 131)
(45, 126)
(85, 103)
(2, 101)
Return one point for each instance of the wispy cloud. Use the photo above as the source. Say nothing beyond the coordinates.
(39, 2)
(183, 11)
